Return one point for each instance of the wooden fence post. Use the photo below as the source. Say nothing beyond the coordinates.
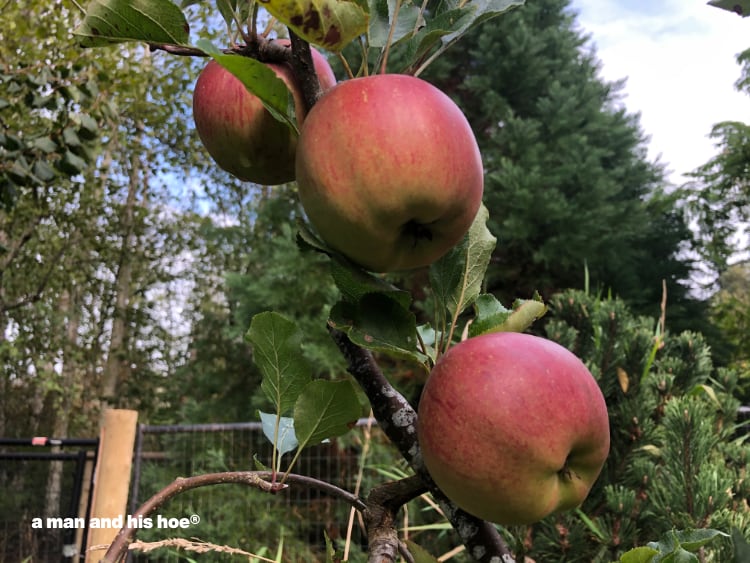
(112, 477)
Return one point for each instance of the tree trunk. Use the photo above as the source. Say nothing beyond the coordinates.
(117, 367)
(71, 385)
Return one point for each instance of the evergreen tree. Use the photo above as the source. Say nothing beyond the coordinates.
(567, 182)
(677, 457)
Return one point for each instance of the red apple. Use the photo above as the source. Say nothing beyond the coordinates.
(389, 171)
(239, 133)
(513, 427)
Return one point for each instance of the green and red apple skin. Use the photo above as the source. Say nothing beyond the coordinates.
(389, 171)
(513, 427)
(239, 133)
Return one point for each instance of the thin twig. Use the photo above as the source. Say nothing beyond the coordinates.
(358, 483)
(256, 479)
(179, 50)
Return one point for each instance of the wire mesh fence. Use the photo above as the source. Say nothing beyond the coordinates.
(220, 523)
(298, 519)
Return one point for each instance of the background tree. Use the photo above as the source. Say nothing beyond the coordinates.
(730, 308)
(568, 183)
(90, 246)
(143, 295)
(719, 195)
(253, 263)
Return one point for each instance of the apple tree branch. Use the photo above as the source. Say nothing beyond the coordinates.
(398, 419)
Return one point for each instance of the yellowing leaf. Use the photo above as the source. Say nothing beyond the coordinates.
(330, 24)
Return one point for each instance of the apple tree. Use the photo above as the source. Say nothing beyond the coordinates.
(390, 177)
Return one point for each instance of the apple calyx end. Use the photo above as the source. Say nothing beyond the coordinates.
(417, 232)
(567, 473)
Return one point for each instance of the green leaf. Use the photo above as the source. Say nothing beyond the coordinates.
(71, 164)
(679, 555)
(639, 555)
(379, 323)
(43, 171)
(276, 352)
(456, 279)
(354, 283)
(591, 525)
(226, 9)
(420, 554)
(88, 127)
(693, 540)
(287, 439)
(741, 546)
(703, 389)
(676, 546)
(308, 240)
(324, 410)
(70, 137)
(381, 19)
(476, 12)
(741, 7)
(451, 21)
(331, 24)
(259, 79)
(116, 21)
(19, 172)
(45, 144)
(491, 316)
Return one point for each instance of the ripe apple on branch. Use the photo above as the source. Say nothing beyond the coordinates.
(239, 133)
(391, 178)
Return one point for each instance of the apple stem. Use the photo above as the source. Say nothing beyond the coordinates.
(345, 63)
(390, 37)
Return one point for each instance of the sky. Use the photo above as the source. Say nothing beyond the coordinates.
(679, 59)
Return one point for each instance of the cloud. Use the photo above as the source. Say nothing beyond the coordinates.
(679, 58)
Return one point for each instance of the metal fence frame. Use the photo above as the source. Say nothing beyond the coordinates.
(88, 453)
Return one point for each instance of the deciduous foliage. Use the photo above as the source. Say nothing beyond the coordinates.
(719, 196)
(89, 244)
(730, 309)
(243, 267)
